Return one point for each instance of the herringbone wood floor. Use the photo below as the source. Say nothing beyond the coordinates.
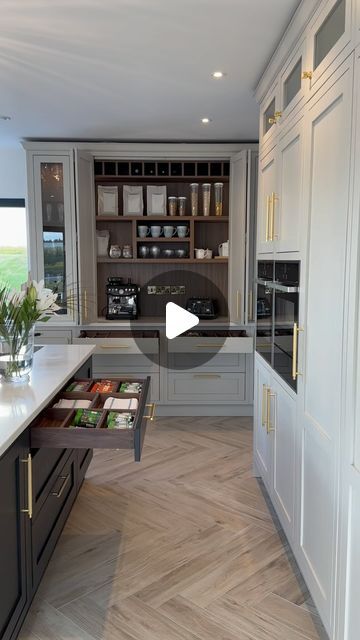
(179, 547)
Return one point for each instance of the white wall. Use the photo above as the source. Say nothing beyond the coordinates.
(12, 173)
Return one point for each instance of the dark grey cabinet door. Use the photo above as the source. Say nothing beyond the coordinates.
(14, 532)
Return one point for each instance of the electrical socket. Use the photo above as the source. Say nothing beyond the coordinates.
(151, 291)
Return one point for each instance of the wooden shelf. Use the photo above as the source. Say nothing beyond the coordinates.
(161, 179)
(166, 219)
(156, 240)
(173, 261)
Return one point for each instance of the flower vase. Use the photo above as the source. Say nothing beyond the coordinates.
(16, 355)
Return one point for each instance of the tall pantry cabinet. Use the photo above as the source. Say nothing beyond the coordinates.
(309, 206)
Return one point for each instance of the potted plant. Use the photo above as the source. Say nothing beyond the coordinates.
(19, 311)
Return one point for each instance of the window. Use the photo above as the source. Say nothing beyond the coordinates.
(13, 242)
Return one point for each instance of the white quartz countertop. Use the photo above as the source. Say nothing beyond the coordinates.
(20, 404)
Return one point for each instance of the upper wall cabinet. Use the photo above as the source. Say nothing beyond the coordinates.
(267, 191)
(269, 116)
(329, 38)
(293, 88)
(52, 229)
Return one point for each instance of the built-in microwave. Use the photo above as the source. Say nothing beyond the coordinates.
(278, 316)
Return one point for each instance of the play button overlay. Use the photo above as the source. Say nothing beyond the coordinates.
(178, 320)
(173, 304)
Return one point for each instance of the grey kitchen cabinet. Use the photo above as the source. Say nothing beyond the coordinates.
(14, 537)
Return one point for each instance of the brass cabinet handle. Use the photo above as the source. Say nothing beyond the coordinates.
(238, 294)
(29, 509)
(307, 75)
(269, 426)
(295, 372)
(264, 405)
(276, 117)
(58, 494)
(251, 307)
(273, 200)
(151, 416)
(206, 375)
(114, 346)
(85, 305)
(267, 218)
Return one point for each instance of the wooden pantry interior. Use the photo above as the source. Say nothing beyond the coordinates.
(83, 170)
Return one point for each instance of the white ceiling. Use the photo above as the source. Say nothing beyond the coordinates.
(134, 69)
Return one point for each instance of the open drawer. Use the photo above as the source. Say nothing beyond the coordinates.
(121, 342)
(61, 426)
(221, 341)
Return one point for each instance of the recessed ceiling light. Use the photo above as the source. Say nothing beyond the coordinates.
(5, 117)
(218, 74)
(205, 120)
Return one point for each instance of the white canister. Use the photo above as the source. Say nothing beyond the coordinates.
(102, 240)
(224, 249)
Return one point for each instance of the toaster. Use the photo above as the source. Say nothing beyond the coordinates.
(203, 308)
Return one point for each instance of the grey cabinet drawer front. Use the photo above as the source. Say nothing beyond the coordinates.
(200, 388)
(122, 345)
(46, 464)
(53, 336)
(224, 361)
(51, 518)
(113, 363)
(211, 345)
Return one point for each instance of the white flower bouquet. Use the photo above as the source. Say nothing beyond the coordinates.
(19, 311)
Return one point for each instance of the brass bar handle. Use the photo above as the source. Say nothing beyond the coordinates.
(269, 426)
(267, 218)
(264, 406)
(206, 376)
(251, 306)
(29, 509)
(295, 372)
(274, 199)
(65, 479)
(114, 346)
(238, 294)
(85, 305)
(151, 416)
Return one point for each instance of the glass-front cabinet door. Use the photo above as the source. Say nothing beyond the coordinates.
(293, 88)
(55, 259)
(330, 34)
(269, 117)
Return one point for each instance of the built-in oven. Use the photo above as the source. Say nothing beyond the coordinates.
(264, 309)
(286, 319)
(278, 316)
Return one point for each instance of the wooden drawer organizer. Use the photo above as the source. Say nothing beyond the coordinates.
(51, 428)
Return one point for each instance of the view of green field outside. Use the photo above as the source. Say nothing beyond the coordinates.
(13, 247)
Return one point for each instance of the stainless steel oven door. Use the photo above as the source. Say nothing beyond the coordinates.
(286, 315)
(264, 319)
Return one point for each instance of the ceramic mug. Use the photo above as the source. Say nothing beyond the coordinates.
(182, 231)
(169, 231)
(155, 231)
(208, 254)
(199, 254)
(224, 249)
(143, 231)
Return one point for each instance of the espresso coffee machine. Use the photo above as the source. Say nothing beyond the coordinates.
(122, 299)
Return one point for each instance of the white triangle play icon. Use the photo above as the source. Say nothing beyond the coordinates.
(178, 320)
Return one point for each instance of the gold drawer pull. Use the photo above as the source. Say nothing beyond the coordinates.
(115, 346)
(206, 375)
(307, 75)
(295, 372)
(151, 416)
(65, 479)
(29, 509)
(269, 426)
(263, 406)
